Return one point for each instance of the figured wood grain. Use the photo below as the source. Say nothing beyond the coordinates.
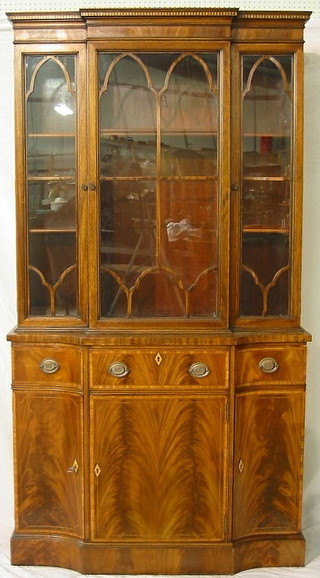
(291, 361)
(172, 367)
(268, 458)
(163, 468)
(48, 439)
(27, 359)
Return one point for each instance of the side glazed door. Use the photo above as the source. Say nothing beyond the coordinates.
(267, 185)
(52, 185)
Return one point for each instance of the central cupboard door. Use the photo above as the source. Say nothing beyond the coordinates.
(159, 467)
(162, 218)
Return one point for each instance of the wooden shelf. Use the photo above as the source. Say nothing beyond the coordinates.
(266, 230)
(45, 231)
(51, 135)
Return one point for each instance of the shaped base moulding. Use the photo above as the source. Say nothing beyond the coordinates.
(133, 558)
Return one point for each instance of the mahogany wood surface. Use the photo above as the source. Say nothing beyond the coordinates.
(159, 469)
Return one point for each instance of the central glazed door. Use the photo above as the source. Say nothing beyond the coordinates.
(161, 173)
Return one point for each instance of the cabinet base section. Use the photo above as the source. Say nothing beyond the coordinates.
(222, 558)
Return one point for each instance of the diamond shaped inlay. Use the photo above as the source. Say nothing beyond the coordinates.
(158, 358)
(97, 470)
(240, 466)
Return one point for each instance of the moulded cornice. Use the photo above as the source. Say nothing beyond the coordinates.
(275, 15)
(159, 13)
(37, 16)
(84, 15)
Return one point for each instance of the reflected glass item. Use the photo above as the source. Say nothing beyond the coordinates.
(128, 156)
(193, 155)
(189, 245)
(267, 185)
(159, 185)
(51, 168)
(265, 204)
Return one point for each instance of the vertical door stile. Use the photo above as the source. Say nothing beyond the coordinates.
(92, 175)
(158, 179)
(83, 232)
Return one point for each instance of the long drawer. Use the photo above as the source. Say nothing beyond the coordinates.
(164, 367)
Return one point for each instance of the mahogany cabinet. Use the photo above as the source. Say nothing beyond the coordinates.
(158, 363)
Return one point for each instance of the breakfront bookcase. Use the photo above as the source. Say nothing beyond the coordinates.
(158, 360)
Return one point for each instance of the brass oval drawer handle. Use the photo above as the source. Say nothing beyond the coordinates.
(49, 366)
(199, 369)
(268, 365)
(118, 369)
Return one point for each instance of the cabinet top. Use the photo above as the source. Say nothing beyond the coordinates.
(86, 15)
(182, 23)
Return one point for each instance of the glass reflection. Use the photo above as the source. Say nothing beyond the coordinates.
(51, 196)
(266, 187)
(51, 118)
(267, 116)
(158, 167)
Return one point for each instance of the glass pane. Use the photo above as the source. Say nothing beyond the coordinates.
(51, 115)
(51, 171)
(52, 273)
(51, 205)
(159, 183)
(264, 281)
(266, 187)
(127, 101)
(189, 154)
(189, 101)
(189, 245)
(127, 238)
(128, 157)
(189, 117)
(265, 204)
(51, 155)
(267, 112)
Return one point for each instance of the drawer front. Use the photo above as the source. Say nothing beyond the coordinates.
(140, 368)
(47, 365)
(277, 365)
